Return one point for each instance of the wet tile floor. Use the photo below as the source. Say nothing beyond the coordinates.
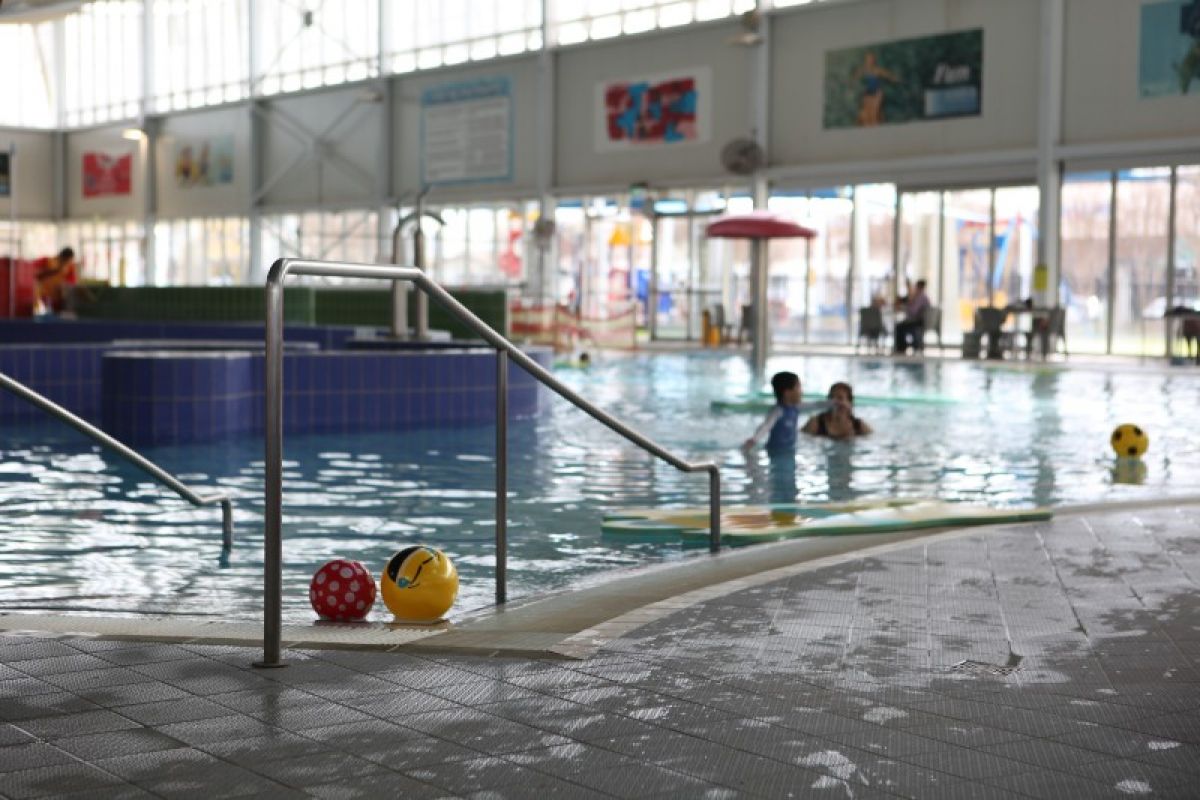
(1056, 660)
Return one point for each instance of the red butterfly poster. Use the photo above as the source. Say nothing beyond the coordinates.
(105, 174)
(654, 110)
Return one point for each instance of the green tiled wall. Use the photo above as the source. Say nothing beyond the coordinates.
(190, 303)
(301, 304)
(373, 307)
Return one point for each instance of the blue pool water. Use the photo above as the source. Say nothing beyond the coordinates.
(84, 532)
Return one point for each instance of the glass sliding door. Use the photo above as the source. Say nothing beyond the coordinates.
(967, 250)
(874, 236)
(1140, 287)
(1187, 238)
(1084, 255)
(920, 250)
(1015, 226)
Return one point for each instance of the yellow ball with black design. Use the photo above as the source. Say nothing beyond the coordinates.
(1129, 441)
(419, 584)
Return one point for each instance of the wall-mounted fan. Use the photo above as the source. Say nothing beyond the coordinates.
(742, 156)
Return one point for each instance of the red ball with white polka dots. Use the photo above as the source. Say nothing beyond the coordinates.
(342, 591)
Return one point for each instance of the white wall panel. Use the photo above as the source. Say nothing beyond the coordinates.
(1101, 101)
(1010, 73)
(108, 141)
(180, 197)
(343, 168)
(581, 70)
(34, 174)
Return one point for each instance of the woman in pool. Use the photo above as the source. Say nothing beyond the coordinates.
(838, 421)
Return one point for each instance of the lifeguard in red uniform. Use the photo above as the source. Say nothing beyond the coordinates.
(52, 281)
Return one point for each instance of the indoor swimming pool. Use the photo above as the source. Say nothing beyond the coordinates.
(83, 532)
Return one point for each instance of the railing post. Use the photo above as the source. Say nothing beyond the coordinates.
(273, 511)
(714, 510)
(501, 477)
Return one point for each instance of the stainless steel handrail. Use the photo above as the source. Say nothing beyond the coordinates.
(123, 450)
(506, 350)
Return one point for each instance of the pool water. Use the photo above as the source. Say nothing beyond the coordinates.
(84, 532)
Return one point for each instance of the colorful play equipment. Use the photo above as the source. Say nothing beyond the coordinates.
(419, 584)
(1129, 441)
(768, 523)
(342, 591)
(759, 227)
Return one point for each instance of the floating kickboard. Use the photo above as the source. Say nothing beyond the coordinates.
(767, 402)
(751, 524)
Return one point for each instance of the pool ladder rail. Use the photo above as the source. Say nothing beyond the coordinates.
(505, 351)
(137, 459)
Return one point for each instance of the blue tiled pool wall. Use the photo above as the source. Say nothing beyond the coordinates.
(149, 397)
(327, 337)
(176, 398)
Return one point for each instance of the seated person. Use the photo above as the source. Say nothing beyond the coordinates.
(838, 421)
(913, 325)
(50, 290)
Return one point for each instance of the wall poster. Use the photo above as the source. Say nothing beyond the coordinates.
(1169, 52)
(204, 162)
(105, 174)
(466, 132)
(665, 109)
(910, 80)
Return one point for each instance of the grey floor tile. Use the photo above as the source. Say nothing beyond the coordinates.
(29, 707)
(14, 758)
(77, 724)
(473, 775)
(375, 785)
(313, 769)
(131, 694)
(640, 780)
(389, 745)
(260, 749)
(216, 729)
(55, 781)
(13, 734)
(95, 746)
(189, 774)
(182, 710)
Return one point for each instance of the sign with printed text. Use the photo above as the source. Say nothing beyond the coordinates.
(664, 109)
(911, 80)
(106, 174)
(466, 132)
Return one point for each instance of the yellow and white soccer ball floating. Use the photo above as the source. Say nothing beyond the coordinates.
(1129, 441)
(419, 584)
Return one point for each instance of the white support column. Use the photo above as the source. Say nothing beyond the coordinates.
(148, 59)
(257, 272)
(759, 92)
(1111, 294)
(542, 277)
(146, 147)
(1172, 211)
(1049, 167)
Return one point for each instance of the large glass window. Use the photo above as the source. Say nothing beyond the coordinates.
(302, 46)
(27, 67)
(574, 21)
(424, 35)
(874, 234)
(480, 245)
(202, 252)
(103, 62)
(968, 265)
(1187, 238)
(323, 235)
(1083, 282)
(201, 56)
(919, 246)
(108, 251)
(1140, 288)
(1015, 226)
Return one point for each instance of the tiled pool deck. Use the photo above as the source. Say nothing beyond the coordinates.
(1057, 659)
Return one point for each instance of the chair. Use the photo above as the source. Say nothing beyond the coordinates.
(1050, 330)
(989, 326)
(871, 328)
(932, 323)
(746, 323)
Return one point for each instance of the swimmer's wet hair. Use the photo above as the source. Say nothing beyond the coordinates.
(782, 381)
(842, 385)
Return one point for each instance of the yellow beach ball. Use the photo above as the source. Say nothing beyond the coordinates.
(419, 584)
(1129, 441)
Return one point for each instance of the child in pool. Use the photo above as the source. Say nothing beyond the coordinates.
(838, 421)
(779, 428)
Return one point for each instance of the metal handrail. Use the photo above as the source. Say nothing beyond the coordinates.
(138, 460)
(273, 535)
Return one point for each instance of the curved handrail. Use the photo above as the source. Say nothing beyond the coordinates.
(123, 450)
(273, 535)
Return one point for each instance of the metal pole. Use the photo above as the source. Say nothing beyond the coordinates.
(758, 283)
(1170, 259)
(399, 288)
(12, 213)
(123, 450)
(714, 510)
(991, 261)
(501, 477)
(652, 289)
(273, 505)
(422, 322)
(1111, 292)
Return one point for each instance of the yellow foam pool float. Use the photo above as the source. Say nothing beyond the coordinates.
(767, 523)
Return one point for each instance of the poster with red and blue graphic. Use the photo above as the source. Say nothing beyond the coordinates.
(668, 109)
(105, 174)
